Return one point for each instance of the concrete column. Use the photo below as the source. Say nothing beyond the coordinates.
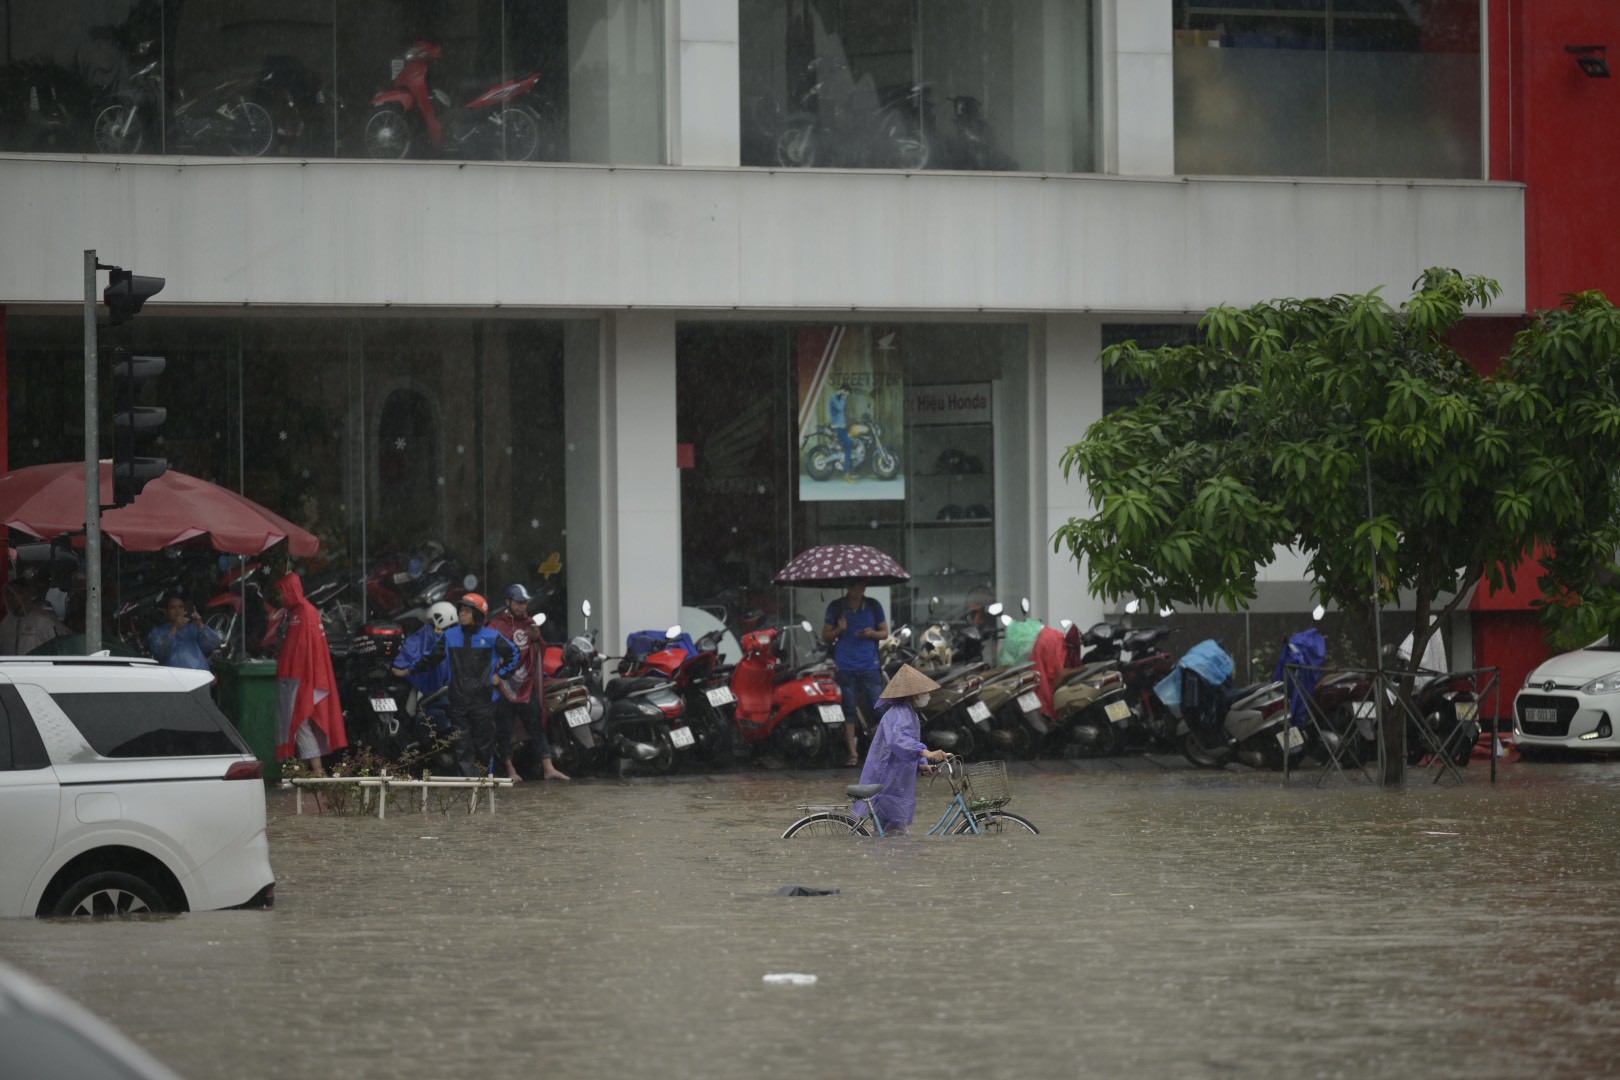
(642, 497)
(705, 115)
(1070, 401)
(1137, 89)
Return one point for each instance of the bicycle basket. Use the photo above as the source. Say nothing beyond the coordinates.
(985, 787)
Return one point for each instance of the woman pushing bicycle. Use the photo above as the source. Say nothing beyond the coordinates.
(897, 754)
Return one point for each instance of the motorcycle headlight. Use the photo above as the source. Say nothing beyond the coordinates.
(1603, 684)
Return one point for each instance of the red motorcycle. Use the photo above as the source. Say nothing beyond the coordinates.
(793, 711)
(408, 116)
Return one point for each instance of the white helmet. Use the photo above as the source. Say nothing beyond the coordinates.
(442, 615)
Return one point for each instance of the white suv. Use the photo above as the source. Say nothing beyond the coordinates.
(1571, 702)
(124, 790)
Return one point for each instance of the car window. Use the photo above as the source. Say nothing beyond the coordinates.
(22, 748)
(160, 724)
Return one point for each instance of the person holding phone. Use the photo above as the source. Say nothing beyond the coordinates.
(183, 641)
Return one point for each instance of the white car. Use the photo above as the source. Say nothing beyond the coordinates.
(124, 790)
(1571, 702)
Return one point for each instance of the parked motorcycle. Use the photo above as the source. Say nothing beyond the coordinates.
(823, 453)
(971, 143)
(381, 711)
(844, 121)
(413, 116)
(782, 709)
(242, 113)
(1220, 723)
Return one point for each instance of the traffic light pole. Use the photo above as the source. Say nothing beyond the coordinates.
(92, 467)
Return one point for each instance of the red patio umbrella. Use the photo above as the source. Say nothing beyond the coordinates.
(835, 566)
(48, 500)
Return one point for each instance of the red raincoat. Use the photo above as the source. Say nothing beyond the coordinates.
(1050, 659)
(306, 687)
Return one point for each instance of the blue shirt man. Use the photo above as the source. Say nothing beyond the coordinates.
(183, 641)
(856, 623)
(838, 419)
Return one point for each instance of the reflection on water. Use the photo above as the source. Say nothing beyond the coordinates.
(1166, 924)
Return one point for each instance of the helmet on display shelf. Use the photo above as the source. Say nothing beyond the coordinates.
(442, 615)
(476, 602)
(949, 461)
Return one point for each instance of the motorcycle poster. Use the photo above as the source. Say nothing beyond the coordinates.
(851, 413)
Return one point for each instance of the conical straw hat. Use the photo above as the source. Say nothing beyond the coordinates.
(908, 682)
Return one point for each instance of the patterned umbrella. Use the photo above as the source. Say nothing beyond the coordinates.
(834, 566)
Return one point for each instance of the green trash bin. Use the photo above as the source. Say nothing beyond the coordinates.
(247, 695)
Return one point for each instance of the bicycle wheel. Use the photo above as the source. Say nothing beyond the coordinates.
(827, 825)
(997, 821)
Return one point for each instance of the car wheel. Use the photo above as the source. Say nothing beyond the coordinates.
(110, 892)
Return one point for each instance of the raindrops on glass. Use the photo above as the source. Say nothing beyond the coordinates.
(399, 444)
(282, 436)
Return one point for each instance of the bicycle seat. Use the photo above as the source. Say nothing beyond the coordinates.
(862, 791)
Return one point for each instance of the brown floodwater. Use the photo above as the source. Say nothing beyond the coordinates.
(1166, 923)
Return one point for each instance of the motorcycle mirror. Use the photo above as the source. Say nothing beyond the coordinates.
(1065, 624)
(470, 582)
(1006, 620)
(1133, 607)
(933, 604)
(1318, 612)
(585, 608)
(995, 608)
(539, 618)
(674, 631)
(804, 624)
(1024, 603)
(1166, 611)
(905, 633)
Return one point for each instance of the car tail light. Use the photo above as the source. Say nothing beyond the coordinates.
(245, 770)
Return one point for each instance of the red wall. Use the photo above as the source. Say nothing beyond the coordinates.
(1554, 128)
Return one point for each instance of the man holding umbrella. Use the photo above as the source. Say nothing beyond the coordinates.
(856, 623)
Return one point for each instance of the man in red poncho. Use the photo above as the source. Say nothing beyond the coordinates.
(309, 718)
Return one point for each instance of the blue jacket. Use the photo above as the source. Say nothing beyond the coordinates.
(187, 648)
(417, 646)
(474, 660)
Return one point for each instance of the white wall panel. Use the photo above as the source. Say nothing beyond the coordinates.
(547, 236)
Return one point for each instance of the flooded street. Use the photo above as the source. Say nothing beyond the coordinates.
(1166, 923)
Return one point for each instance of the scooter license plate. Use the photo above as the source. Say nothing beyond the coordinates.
(1117, 711)
(577, 717)
(832, 714)
(720, 695)
(1030, 702)
(1290, 738)
(978, 711)
(384, 704)
(682, 737)
(1468, 710)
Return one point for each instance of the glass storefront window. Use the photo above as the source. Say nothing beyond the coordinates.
(768, 478)
(1001, 85)
(558, 80)
(421, 452)
(1348, 88)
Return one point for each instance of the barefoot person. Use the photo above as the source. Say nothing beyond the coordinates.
(898, 755)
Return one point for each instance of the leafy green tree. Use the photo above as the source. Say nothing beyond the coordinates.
(1353, 433)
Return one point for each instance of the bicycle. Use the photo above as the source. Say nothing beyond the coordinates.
(978, 792)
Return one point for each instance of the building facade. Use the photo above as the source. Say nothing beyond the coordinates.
(605, 318)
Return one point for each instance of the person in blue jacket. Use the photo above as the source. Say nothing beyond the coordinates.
(479, 658)
(441, 616)
(183, 641)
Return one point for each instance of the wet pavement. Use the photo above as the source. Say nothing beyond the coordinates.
(1167, 923)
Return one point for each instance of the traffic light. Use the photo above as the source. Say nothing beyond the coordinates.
(126, 292)
(130, 473)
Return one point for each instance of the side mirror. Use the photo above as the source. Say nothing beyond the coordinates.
(804, 624)
(1024, 603)
(995, 608)
(674, 631)
(1133, 607)
(470, 582)
(539, 618)
(933, 604)
(1006, 620)
(904, 634)
(585, 608)
(1065, 624)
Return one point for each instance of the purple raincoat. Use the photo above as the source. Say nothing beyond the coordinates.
(897, 750)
